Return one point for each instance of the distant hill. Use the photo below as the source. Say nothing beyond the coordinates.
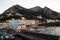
(45, 12)
(15, 9)
(37, 10)
(50, 14)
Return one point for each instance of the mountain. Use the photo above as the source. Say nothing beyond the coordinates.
(37, 10)
(45, 12)
(32, 13)
(50, 14)
(16, 9)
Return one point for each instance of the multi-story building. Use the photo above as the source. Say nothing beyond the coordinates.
(50, 20)
(0, 24)
(18, 27)
(27, 22)
(37, 22)
(4, 24)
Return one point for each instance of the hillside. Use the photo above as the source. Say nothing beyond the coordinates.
(32, 13)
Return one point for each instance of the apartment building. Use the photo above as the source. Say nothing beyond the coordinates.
(4, 24)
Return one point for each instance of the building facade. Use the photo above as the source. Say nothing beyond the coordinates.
(4, 24)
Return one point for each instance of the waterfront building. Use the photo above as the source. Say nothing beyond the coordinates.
(4, 24)
(0, 24)
(13, 22)
(19, 27)
(50, 20)
(27, 22)
(37, 22)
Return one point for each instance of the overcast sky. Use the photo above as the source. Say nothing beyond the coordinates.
(52, 4)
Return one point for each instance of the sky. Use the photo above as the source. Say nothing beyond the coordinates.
(52, 4)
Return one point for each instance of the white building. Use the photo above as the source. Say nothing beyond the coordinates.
(50, 20)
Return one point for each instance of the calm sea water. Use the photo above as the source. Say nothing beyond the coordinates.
(50, 30)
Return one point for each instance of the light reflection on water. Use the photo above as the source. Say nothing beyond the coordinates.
(51, 30)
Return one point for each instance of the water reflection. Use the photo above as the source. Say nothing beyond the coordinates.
(49, 30)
